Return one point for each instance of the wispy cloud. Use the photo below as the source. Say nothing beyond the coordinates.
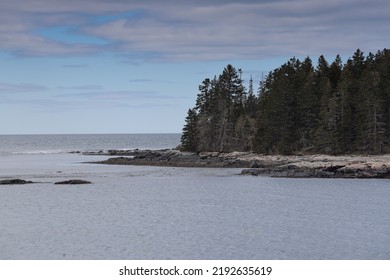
(141, 80)
(98, 95)
(194, 30)
(21, 88)
(150, 81)
(75, 66)
(82, 87)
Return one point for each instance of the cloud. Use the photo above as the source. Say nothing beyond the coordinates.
(82, 87)
(141, 81)
(20, 88)
(196, 30)
(118, 95)
(75, 66)
(247, 31)
(150, 81)
(99, 95)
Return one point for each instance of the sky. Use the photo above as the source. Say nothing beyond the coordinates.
(122, 66)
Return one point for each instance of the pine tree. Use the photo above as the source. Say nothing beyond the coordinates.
(230, 104)
(251, 101)
(335, 71)
(331, 109)
(325, 140)
(189, 138)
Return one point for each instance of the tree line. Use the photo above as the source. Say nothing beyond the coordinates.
(331, 108)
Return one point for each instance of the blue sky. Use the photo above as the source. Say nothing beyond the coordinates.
(103, 66)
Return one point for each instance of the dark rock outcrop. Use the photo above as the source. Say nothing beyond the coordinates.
(300, 166)
(73, 182)
(292, 171)
(177, 159)
(14, 182)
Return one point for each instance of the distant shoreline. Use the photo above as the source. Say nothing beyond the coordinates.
(304, 166)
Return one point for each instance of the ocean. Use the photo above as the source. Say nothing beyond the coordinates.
(65, 143)
(143, 212)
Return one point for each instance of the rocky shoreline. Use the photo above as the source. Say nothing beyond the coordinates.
(302, 166)
(23, 182)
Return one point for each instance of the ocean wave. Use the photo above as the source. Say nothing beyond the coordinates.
(40, 152)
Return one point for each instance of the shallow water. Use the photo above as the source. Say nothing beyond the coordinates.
(135, 212)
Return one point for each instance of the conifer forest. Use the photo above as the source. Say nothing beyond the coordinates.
(298, 108)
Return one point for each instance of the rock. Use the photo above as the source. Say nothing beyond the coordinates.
(97, 153)
(73, 182)
(15, 182)
(255, 164)
(254, 171)
(383, 174)
(118, 160)
(333, 168)
(302, 166)
(207, 155)
(120, 152)
(286, 171)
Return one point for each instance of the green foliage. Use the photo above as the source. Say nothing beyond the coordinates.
(332, 108)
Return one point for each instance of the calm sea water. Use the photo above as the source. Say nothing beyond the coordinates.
(140, 212)
(37, 144)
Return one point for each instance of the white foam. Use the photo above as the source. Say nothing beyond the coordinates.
(40, 152)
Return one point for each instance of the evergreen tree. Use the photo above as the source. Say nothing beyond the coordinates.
(331, 109)
(189, 138)
(208, 120)
(325, 136)
(251, 101)
(334, 73)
